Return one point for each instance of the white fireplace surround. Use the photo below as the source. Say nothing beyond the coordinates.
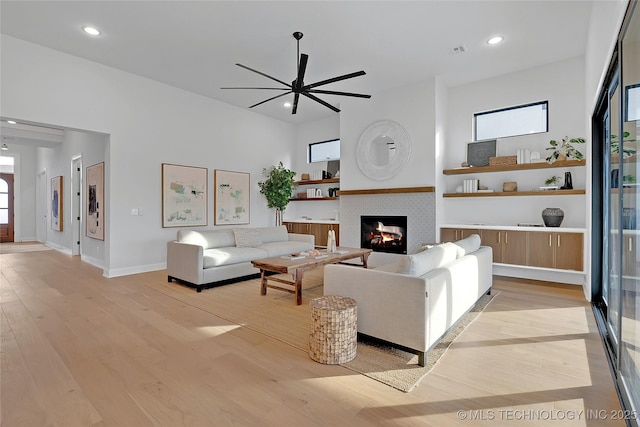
(419, 207)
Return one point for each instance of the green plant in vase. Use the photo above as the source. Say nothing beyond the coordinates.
(277, 188)
(554, 180)
(565, 150)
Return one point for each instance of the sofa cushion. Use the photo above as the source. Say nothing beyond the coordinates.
(208, 238)
(230, 255)
(423, 262)
(273, 234)
(285, 248)
(468, 245)
(247, 237)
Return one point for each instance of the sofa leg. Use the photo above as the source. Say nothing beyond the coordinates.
(422, 358)
(169, 279)
(489, 291)
(198, 288)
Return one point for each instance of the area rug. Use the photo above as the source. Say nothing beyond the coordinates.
(14, 248)
(276, 315)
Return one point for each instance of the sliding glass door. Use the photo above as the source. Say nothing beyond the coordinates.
(616, 208)
(630, 174)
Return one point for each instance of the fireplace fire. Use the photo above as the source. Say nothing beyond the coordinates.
(384, 233)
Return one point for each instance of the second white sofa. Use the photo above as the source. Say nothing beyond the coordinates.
(414, 302)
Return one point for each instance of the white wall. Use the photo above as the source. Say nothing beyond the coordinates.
(148, 123)
(308, 133)
(412, 107)
(562, 84)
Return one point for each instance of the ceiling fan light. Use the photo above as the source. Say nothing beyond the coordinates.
(287, 104)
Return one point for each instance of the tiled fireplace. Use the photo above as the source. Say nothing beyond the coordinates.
(418, 207)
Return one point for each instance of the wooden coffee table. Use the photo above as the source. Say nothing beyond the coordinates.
(297, 267)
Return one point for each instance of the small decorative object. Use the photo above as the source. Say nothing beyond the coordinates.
(304, 177)
(479, 153)
(459, 189)
(564, 150)
(464, 164)
(552, 217)
(568, 182)
(509, 186)
(554, 180)
(503, 160)
(277, 188)
(331, 241)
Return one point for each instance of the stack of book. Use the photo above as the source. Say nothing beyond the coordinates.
(470, 185)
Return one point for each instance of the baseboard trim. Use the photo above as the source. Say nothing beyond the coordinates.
(58, 248)
(117, 272)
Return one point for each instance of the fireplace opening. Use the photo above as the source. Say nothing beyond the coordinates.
(384, 233)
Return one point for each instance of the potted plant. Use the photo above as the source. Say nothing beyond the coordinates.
(277, 188)
(564, 150)
(554, 180)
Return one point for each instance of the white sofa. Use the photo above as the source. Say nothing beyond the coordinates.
(199, 258)
(414, 302)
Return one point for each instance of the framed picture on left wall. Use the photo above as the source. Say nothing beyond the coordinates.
(56, 203)
(95, 201)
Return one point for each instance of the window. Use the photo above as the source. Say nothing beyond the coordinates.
(324, 151)
(512, 121)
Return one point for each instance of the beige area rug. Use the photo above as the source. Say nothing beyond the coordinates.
(14, 248)
(277, 316)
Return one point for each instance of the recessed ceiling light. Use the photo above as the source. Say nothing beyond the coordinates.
(91, 30)
(495, 40)
(11, 122)
(287, 104)
(4, 147)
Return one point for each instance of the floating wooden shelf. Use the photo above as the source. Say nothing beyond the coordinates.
(318, 181)
(518, 193)
(387, 191)
(523, 166)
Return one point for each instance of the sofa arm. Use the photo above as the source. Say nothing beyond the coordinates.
(310, 238)
(184, 262)
(391, 306)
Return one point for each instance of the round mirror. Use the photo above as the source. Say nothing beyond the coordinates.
(383, 149)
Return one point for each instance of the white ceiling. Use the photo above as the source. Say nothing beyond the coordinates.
(194, 45)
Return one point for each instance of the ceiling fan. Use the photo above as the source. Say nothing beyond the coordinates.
(297, 87)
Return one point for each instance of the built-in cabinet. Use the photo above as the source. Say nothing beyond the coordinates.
(319, 230)
(531, 248)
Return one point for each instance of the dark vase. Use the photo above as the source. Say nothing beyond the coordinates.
(568, 182)
(552, 217)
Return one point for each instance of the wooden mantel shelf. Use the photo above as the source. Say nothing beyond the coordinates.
(540, 165)
(387, 191)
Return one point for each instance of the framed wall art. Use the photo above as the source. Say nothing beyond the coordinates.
(478, 153)
(184, 195)
(94, 213)
(231, 197)
(56, 203)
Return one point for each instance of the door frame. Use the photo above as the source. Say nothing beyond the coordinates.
(42, 203)
(76, 204)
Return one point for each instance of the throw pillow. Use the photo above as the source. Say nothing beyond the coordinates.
(423, 262)
(247, 237)
(468, 245)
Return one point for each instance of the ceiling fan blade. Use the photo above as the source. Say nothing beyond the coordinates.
(302, 68)
(335, 79)
(267, 100)
(264, 88)
(296, 97)
(333, 92)
(263, 74)
(326, 104)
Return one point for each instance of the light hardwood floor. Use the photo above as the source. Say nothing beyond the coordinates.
(82, 350)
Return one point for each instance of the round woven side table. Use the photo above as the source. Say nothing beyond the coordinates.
(334, 329)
